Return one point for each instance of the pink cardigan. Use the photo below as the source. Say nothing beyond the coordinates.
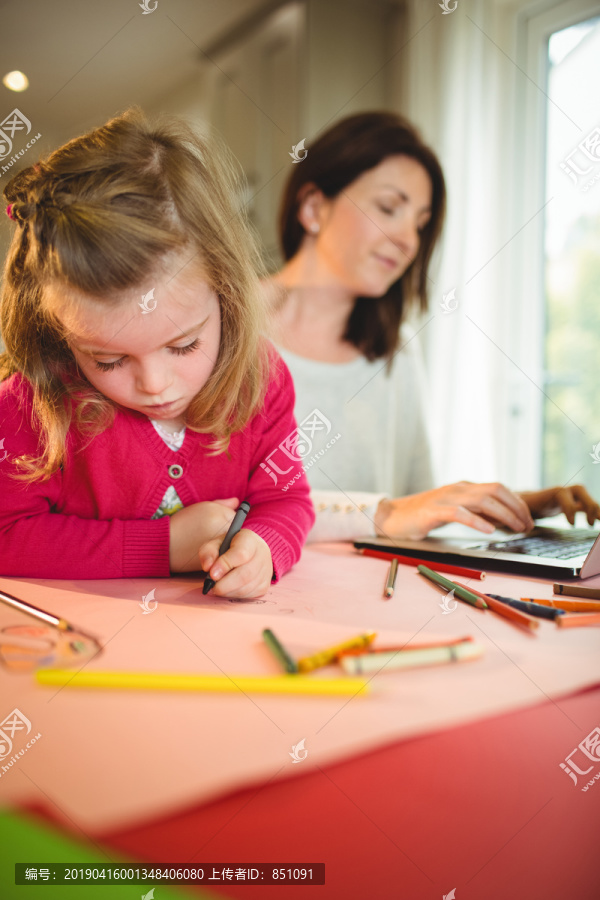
(92, 519)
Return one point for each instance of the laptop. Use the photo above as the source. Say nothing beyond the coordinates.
(545, 551)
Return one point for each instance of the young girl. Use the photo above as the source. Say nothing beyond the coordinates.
(139, 397)
(359, 220)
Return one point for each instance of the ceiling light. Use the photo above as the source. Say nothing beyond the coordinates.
(15, 81)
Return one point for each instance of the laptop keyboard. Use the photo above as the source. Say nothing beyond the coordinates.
(560, 545)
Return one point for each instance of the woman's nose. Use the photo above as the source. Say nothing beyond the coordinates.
(406, 236)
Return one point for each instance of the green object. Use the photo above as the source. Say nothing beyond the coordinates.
(24, 840)
(459, 591)
(279, 652)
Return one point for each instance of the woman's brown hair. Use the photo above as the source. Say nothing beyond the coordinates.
(336, 159)
(100, 215)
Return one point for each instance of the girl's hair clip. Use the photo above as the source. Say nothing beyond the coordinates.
(9, 212)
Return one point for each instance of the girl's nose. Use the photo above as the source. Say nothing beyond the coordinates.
(153, 378)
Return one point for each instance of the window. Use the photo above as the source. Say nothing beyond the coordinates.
(571, 407)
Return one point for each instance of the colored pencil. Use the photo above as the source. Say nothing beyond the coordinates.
(390, 582)
(573, 590)
(413, 561)
(573, 620)
(569, 605)
(367, 663)
(169, 681)
(459, 590)
(508, 612)
(35, 611)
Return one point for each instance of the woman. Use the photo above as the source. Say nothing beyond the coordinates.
(359, 220)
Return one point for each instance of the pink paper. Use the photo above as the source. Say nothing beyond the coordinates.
(107, 759)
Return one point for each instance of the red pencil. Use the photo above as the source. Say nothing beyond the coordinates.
(411, 561)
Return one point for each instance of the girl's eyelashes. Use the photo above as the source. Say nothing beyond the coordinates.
(189, 348)
(178, 351)
(108, 367)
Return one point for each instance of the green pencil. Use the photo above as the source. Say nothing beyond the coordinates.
(459, 591)
(279, 652)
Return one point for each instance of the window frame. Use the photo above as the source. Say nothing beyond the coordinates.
(534, 23)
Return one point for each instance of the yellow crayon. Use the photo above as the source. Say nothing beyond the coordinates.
(324, 657)
(169, 681)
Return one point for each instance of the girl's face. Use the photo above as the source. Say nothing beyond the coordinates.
(151, 355)
(370, 233)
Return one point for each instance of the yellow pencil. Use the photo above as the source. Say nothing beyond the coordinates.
(323, 657)
(168, 681)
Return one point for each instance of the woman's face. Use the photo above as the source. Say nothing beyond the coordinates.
(370, 233)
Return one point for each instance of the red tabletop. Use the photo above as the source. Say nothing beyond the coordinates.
(484, 809)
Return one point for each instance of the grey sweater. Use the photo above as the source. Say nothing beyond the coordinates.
(362, 436)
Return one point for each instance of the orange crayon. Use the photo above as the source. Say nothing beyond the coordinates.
(569, 605)
(576, 619)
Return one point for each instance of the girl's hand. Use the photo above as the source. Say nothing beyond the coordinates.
(244, 571)
(481, 506)
(193, 526)
(568, 500)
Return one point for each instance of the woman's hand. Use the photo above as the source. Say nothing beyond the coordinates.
(481, 506)
(568, 500)
(193, 526)
(244, 571)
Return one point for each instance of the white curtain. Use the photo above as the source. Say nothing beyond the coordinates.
(458, 87)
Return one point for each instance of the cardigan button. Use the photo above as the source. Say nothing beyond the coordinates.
(175, 471)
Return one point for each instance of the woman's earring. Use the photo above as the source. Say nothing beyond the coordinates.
(314, 228)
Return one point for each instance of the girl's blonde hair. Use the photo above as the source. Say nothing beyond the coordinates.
(100, 215)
